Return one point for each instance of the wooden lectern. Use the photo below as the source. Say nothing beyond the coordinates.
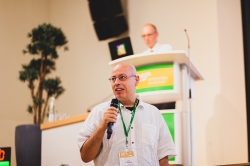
(167, 77)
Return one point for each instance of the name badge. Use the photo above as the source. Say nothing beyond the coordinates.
(128, 158)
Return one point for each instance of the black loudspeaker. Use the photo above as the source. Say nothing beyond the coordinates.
(110, 27)
(101, 9)
(108, 19)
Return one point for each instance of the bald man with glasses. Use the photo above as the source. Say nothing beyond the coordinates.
(140, 135)
(150, 36)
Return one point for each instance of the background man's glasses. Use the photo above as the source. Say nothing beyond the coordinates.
(148, 35)
(121, 78)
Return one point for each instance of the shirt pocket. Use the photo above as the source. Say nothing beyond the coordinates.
(149, 134)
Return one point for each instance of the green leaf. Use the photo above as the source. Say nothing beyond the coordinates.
(28, 75)
(38, 101)
(53, 87)
(30, 109)
(45, 39)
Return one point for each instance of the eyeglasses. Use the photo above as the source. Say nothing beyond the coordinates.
(148, 35)
(120, 77)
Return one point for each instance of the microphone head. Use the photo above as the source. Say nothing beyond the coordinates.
(114, 103)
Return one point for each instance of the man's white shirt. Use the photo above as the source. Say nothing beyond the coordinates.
(149, 135)
(158, 47)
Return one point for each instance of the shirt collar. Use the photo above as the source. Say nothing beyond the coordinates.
(155, 47)
(141, 103)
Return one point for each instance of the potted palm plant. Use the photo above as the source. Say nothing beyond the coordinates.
(44, 42)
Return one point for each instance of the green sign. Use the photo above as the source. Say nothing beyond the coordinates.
(155, 77)
(169, 119)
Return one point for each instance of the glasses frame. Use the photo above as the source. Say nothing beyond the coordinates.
(113, 79)
(148, 35)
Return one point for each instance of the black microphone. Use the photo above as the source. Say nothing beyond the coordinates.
(187, 38)
(114, 103)
(190, 92)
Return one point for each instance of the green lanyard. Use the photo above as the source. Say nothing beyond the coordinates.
(126, 131)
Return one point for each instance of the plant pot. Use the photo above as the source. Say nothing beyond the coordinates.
(28, 145)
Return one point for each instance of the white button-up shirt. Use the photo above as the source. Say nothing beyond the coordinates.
(149, 135)
(158, 47)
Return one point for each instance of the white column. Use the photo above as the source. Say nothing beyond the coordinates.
(186, 153)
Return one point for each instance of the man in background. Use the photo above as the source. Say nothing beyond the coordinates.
(150, 36)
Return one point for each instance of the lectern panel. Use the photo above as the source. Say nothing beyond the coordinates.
(155, 77)
(173, 121)
(159, 82)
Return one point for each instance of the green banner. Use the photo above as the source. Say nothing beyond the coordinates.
(169, 119)
(156, 66)
(156, 77)
(171, 87)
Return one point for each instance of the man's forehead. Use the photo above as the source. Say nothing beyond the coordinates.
(148, 29)
(122, 69)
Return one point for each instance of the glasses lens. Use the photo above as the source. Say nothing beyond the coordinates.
(148, 35)
(112, 79)
(122, 77)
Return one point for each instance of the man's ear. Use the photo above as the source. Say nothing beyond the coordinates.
(137, 80)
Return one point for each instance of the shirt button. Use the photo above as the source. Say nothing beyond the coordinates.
(132, 142)
(131, 127)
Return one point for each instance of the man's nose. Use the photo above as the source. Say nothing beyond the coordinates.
(117, 80)
(146, 37)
